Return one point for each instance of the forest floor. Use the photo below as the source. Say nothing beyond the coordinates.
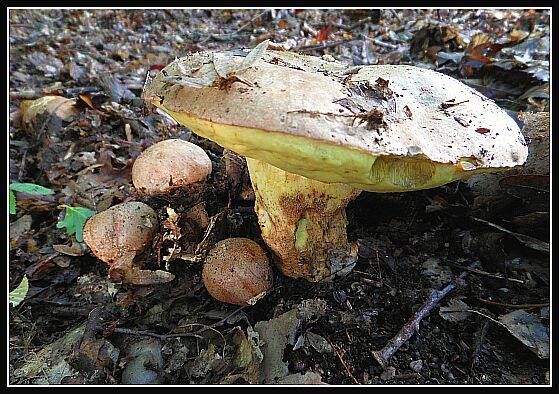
(76, 326)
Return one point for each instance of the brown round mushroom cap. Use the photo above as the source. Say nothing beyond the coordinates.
(237, 271)
(121, 230)
(426, 128)
(170, 165)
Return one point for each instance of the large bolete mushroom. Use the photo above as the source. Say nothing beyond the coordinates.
(316, 132)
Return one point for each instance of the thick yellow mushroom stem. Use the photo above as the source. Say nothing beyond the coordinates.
(303, 222)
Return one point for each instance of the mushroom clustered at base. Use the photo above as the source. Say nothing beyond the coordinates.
(316, 132)
(237, 271)
(118, 234)
(169, 166)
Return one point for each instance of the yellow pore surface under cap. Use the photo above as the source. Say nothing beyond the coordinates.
(329, 163)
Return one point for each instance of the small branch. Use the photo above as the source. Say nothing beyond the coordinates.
(249, 23)
(229, 36)
(515, 306)
(343, 363)
(163, 337)
(220, 322)
(412, 325)
(371, 282)
(195, 334)
(378, 42)
(488, 274)
(26, 94)
(325, 45)
(29, 271)
(360, 22)
(341, 26)
(531, 242)
(479, 339)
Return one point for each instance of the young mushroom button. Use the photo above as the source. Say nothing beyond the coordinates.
(169, 166)
(322, 132)
(119, 234)
(237, 271)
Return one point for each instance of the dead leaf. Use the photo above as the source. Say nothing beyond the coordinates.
(47, 112)
(144, 362)
(456, 310)
(55, 374)
(205, 361)
(317, 342)
(172, 224)
(530, 242)
(20, 230)
(276, 334)
(437, 274)
(47, 357)
(87, 101)
(76, 249)
(248, 354)
(299, 378)
(529, 330)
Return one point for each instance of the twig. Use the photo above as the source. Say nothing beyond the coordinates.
(33, 268)
(343, 363)
(360, 22)
(531, 242)
(371, 282)
(325, 45)
(486, 316)
(228, 36)
(26, 94)
(250, 22)
(163, 337)
(342, 26)
(382, 43)
(378, 266)
(332, 24)
(195, 334)
(204, 328)
(412, 325)
(479, 338)
(483, 273)
(516, 306)
(220, 322)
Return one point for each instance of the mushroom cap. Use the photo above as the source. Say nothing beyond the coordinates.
(120, 230)
(432, 129)
(169, 165)
(237, 271)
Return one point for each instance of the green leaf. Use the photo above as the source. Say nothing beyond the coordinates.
(74, 220)
(12, 203)
(19, 293)
(30, 188)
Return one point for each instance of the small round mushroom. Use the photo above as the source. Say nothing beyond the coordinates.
(316, 133)
(120, 230)
(237, 271)
(169, 166)
(119, 234)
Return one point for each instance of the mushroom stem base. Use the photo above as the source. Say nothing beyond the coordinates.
(303, 222)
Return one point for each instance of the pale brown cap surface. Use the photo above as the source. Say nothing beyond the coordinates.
(170, 165)
(120, 230)
(237, 271)
(426, 115)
